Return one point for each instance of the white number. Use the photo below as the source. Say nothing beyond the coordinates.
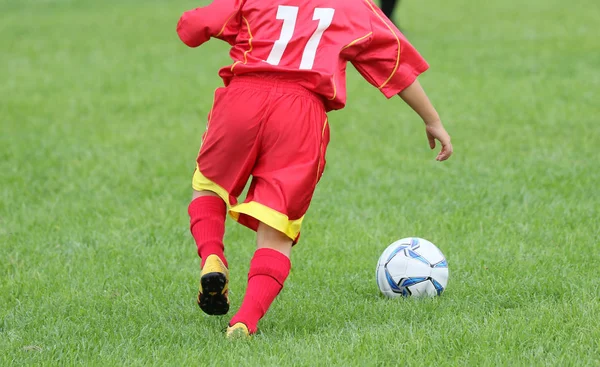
(289, 14)
(324, 16)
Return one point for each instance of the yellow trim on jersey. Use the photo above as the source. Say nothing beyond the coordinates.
(334, 88)
(357, 40)
(268, 216)
(397, 39)
(249, 40)
(249, 44)
(201, 183)
(343, 48)
(225, 25)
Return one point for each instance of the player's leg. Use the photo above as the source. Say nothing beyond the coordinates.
(289, 165)
(223, 166)
(269, 268)
(207, 212)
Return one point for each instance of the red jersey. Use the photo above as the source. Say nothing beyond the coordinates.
(308, 42)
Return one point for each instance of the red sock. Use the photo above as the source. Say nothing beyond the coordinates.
(268, 270)
(207, 224)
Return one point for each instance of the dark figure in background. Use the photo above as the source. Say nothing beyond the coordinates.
(388, 6)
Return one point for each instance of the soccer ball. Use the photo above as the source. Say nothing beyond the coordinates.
(412, 267)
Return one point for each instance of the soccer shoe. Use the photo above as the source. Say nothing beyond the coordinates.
(214, 280)
(237, 331)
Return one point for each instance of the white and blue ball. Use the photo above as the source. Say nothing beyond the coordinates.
(412, 267)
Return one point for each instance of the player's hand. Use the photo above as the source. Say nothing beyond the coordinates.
(435, 131)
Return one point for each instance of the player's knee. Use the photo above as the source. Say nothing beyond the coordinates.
(269, 237)
(196, 194)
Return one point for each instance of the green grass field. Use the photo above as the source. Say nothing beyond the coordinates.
(101, 114)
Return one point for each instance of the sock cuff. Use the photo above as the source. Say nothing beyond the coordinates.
(271, 263)
(203, 204)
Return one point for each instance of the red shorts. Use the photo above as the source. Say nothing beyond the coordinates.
(274, 131)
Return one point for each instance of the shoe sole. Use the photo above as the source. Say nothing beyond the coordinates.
(212, 300)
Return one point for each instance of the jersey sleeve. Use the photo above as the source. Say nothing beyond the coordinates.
(389, 62)
(221, 19)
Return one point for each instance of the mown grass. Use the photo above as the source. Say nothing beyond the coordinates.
(101, 113)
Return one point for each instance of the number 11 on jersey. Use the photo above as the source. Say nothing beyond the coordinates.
(289, 15)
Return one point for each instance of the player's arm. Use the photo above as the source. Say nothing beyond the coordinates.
(390, 63)
(220, 19)
(417, 99)
(387, 60)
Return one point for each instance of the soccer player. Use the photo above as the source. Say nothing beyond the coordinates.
(269, 123)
